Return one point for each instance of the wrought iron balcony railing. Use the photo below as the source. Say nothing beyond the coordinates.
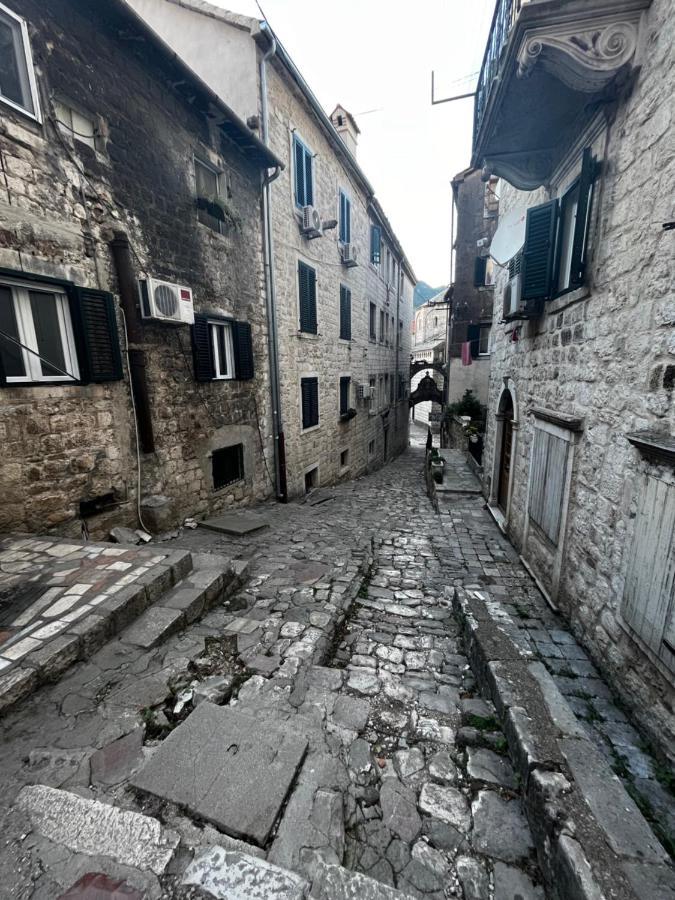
(505, 15)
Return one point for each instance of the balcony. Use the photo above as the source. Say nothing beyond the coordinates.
(549, 67)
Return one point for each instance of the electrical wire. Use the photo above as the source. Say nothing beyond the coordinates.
(39, 355)
(135, 418)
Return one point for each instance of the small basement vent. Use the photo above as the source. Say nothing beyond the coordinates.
(227, 465)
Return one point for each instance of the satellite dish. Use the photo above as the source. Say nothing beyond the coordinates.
(509, 236)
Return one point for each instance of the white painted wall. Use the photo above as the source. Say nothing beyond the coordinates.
(231, 72)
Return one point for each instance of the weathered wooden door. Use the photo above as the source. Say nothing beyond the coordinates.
(505, 465)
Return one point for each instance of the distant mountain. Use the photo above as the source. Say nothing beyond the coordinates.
(424, 292)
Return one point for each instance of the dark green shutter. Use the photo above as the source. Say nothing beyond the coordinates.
(375, 243)
(243, 350)
(344, 395)
(100, 357)
(307, 296)
(479, 269)
(202, 349)
(299, 172)
(539, 251)
(473, 336)
(345, 313)
(345, 215)
(580, 240)
(348, 219)
(309, 185)
(310, 402)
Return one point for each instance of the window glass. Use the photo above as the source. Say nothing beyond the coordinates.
(80, 127)
(484, 340)
(568, 218)
(373, 322)
(208, 189)
(373, 390)
(304, 176)
(14, 82)
(345, 218)
(47, 332)
(223, 353)
(11, 355)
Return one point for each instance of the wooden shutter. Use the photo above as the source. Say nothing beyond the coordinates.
(243, 350)
(649, 593)
(539, 251)
(309, 180)
(202, 349)
(479, 269)
(473, 336)
(307, 296)
(101, 359)
(375, 243)
(348, 219)
(345, 313)
(310, 401)
(580, 240)
(299, 159)
(344, 395)
(548, 470)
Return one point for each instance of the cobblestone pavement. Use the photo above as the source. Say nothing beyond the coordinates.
(341, 635)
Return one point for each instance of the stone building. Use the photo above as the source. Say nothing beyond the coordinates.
(339, 282)
(430, 326)
(476, 211)
(128, 189)
(580, 447)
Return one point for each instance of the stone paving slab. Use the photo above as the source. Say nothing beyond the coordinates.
(235, 523)
(226, 768)
(228, 875)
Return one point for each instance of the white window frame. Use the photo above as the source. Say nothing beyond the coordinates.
(62, 107)
(482, 329)
(295, 133)
(36, 114)
(200, 161)
(372, 384)
(228, 373)
(26, 328)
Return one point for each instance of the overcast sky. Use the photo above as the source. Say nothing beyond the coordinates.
(378, 55)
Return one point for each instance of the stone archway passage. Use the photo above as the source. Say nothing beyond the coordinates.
(427, 389)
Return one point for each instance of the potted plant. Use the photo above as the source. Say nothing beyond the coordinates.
(436, 465)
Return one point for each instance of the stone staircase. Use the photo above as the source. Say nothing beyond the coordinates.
(144, 601)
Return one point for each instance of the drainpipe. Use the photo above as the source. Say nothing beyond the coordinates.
(270, 286)
(399, 282)
(121, 253)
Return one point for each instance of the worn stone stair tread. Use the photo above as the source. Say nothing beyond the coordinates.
(235, 523)
(333, 882)
(153, 626)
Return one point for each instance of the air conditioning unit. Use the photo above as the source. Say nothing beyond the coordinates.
(513, 305)
(167, 302)
(349, 255)
(311, 222)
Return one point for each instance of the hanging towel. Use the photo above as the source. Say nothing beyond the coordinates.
(466, 353)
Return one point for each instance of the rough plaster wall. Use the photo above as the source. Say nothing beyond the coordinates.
(325, 354)
(81, 443)
(609, 359)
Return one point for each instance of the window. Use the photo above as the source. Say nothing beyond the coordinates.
(78, 127)
(547, 482)
(484, 340)
(345, 384)
(375, 244)
(345, 313)
(223, 349)
(371, 449)
(391, 390)
(307, 298)
(556, 239)
(207, 181)
(304, 174)
(227, 465)
(345, 218)
(380, 392)
(309, 388)
(382, 335)
(479, 271)
(344, 459)
(385, 393)
(17, 77)
(401, 387)
(372, 329)
(40, 320)
(311, 479)
(372, 383)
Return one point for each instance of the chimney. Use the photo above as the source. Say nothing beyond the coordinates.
(346, 127)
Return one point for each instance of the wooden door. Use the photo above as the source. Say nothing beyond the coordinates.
(505, 465)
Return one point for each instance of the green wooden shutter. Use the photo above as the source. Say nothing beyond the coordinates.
(539, 251)
(307, 296)
(202, 349)
(299, 160)
(309, 180)
(243, 350)
(309, 388)
(345, 216)
(580, 240)
(314, 398)
(473, 336)
(344, 395)
(348, 219)
(345, 313)
(479, 269)
(375, 243)
(101, 359)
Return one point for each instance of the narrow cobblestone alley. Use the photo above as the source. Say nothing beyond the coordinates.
(346, 636)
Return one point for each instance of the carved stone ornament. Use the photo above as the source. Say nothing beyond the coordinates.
(584, 60)
(526, 171)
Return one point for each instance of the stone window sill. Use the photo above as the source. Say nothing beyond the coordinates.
(308, 335)
(558, 304)
(311, 428)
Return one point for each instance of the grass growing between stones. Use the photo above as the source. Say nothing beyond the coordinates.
(483, 723)
(661, 830)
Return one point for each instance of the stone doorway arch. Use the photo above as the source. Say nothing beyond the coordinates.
(507, 422)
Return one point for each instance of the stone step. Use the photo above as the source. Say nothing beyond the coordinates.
(187, 601)
(337, 883)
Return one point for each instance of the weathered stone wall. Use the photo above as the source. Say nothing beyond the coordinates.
(384, 428)
(609, 358)
(59, 202)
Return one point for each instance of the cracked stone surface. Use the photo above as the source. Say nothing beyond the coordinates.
(342, 636)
